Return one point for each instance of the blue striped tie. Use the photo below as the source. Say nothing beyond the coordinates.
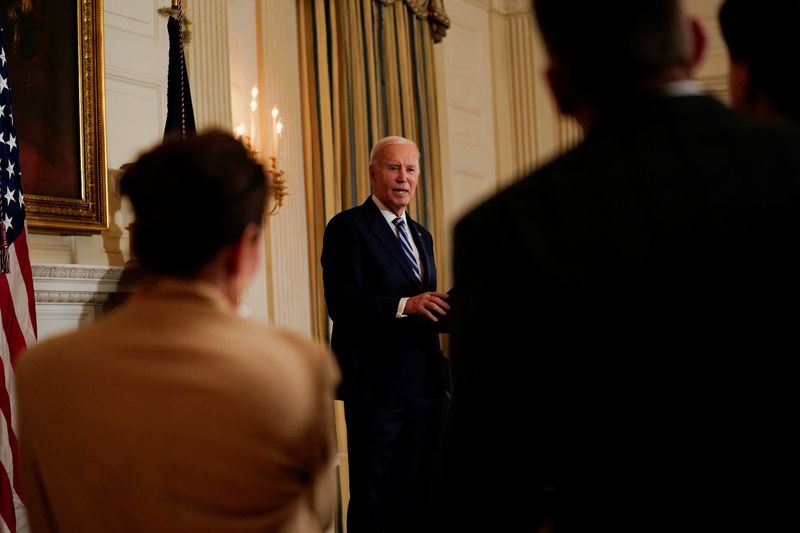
(405, 244)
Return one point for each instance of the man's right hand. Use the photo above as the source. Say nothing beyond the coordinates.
(427, 303)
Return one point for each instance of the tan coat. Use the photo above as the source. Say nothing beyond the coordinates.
(175, 414)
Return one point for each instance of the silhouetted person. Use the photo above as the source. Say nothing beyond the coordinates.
(173, 413)
(620, 347)
(764, 46)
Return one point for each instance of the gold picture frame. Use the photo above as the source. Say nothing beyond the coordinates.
(65, 176)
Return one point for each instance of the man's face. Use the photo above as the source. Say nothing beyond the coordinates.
(394, 176)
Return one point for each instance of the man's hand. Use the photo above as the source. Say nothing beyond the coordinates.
(425, 303)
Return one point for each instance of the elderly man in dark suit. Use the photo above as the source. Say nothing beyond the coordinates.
(380, 288)
(628, 375)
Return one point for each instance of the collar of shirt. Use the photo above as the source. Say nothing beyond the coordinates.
(681, 88)
(388, 215)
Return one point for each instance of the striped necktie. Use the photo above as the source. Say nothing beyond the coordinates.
(405, 244)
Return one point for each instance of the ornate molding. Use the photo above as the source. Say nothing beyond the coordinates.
(77, 272)
(68, 297)
(511, 7)
(77, 284)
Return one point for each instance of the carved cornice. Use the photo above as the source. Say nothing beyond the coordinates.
(76, 284)
(77, 272)
(512, 7)
(71, 297)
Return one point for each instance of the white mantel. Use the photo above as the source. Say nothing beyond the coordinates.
(68, 296)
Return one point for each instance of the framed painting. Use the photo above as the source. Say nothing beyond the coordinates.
(54, 51)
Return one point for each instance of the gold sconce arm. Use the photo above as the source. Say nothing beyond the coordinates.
(278, 186)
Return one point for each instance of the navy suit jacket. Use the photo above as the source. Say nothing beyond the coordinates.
(385, 360)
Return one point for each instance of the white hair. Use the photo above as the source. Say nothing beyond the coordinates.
(378, 147)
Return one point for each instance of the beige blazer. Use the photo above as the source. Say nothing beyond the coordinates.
(175, 414)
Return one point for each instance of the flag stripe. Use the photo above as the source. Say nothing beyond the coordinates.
(15, 337)
(19, 296)
(3, 527)
(10, 489)
(8, 450)
(8, 408)
(24, 262)
(21, 514)
(7, 502)
(6, 434)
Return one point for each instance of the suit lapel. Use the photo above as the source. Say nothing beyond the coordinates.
(386, 237)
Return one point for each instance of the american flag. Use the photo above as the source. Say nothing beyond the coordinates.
(17, 310)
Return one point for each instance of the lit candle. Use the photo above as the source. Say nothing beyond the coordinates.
(239, 130)
(275, 131)
(253, 109)
(278, 132)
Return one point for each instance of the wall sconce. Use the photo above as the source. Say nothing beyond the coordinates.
(278, 184)
(279, 188)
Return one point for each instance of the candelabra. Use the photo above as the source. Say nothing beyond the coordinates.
(278, 187)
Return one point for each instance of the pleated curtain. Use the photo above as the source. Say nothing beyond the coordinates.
(367, 72)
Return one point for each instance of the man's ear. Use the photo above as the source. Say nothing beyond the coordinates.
(699, 42)
(371, 175)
